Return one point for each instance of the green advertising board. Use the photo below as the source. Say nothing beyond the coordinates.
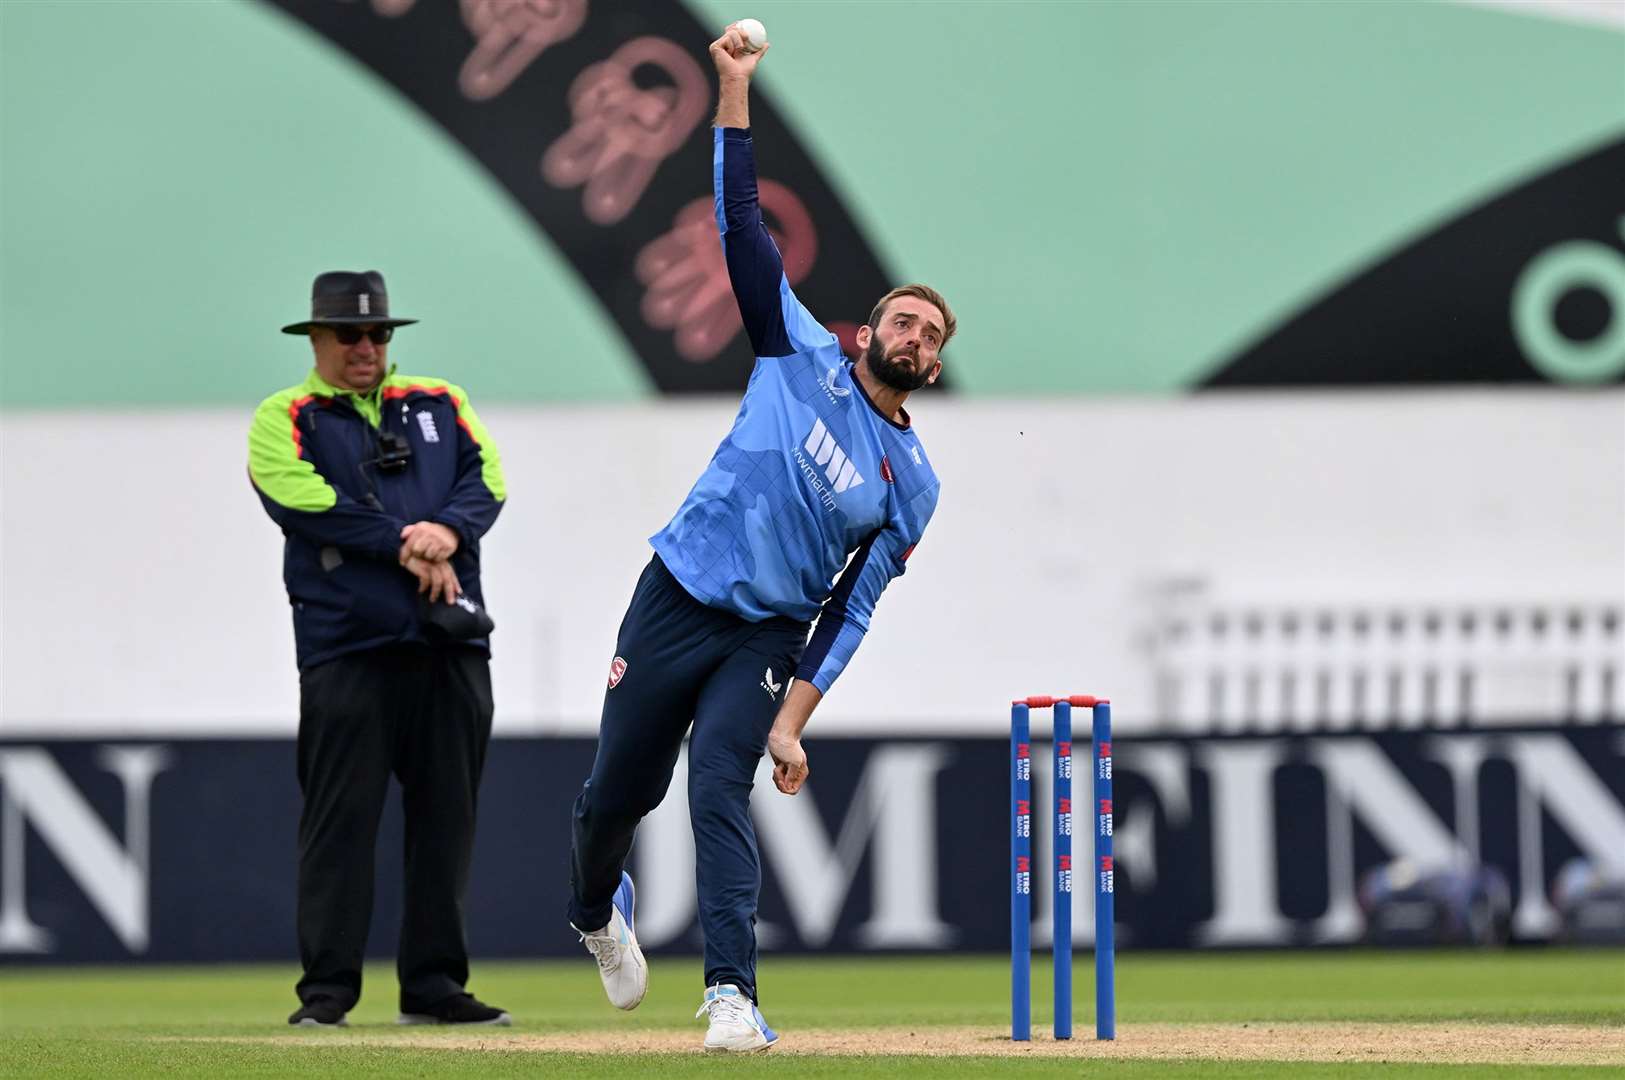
(1116, 197)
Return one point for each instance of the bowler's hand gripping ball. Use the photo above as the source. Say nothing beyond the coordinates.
(755, 34)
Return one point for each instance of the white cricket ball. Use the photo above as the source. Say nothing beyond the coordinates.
(755, 34)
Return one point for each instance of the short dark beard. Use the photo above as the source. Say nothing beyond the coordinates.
(891, 373)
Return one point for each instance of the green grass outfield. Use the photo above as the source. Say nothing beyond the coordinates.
(214, 1021)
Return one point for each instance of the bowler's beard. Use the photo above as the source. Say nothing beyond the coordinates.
(892, 372)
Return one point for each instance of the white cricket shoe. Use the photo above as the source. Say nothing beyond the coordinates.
(736, 1023)
(621, 966)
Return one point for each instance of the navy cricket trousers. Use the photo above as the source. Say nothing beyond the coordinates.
(681, 663)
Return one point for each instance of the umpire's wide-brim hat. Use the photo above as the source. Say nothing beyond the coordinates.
(347, 298)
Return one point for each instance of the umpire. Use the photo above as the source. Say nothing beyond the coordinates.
(383, 485)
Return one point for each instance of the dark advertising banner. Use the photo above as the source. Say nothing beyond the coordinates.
(1528, 287)
(184, 850)
(596, 119)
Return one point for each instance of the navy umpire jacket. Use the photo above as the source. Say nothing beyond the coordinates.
(329, 473)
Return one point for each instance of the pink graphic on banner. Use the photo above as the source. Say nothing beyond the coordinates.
(847, 334)
(389, 9)
(687, 275)
(508, 35)
(622, 132)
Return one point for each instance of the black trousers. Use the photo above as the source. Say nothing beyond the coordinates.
(423, 715)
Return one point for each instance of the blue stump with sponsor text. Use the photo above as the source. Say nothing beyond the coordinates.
(1021, 877)
(1021, 864)
(1105, 891)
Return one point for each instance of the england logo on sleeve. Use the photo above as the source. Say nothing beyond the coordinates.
(617, 669)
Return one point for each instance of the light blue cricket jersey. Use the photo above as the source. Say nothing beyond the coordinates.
(812, 478)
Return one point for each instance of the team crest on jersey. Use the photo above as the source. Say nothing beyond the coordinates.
(885, 471)
(617, 669)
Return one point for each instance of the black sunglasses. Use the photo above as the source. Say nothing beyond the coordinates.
(351, 335)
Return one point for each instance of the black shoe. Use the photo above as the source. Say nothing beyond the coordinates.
(458, 1009)
(319, 1012)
